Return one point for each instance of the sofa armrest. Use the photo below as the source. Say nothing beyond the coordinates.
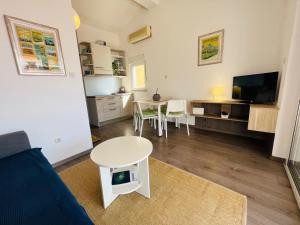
(13, 143)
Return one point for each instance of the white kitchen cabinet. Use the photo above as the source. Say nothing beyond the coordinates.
(103, 109)
(101, 59)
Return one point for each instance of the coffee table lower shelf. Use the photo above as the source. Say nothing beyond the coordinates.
(123, 189)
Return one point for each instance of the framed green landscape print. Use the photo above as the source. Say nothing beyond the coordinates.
(210, 48)
(36, 47)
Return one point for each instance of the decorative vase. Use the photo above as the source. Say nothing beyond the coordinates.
(156, 96)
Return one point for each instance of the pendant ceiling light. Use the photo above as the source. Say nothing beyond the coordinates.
(76, 19)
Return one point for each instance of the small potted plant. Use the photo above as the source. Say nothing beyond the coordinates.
(224, 115)
(156, 96)
(116, 68)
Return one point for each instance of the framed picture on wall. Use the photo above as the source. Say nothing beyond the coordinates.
(210, 48)
(36, 47)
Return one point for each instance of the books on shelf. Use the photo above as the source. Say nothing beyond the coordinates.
(125, 180)
(124, 175)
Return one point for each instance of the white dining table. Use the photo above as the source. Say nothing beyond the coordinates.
(158, 104)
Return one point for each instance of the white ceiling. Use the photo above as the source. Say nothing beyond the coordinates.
(111, 15)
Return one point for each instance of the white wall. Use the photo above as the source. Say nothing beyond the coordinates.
(91, 34)
(45, 107)
(287, 31)
(290, 95)
(99, 85)
(252, 43)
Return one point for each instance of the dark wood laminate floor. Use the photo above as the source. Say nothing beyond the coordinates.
(234, 162)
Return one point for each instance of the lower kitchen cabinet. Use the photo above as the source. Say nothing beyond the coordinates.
(104, 109)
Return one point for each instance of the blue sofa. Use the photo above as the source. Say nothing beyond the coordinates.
(31, 193)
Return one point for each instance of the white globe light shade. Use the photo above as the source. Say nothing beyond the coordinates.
(76, 19)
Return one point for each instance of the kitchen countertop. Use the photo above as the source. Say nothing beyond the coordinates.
(117, 94)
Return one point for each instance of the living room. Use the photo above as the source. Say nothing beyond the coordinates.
(245, 149)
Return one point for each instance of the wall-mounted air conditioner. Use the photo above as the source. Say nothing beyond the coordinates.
(140, 35)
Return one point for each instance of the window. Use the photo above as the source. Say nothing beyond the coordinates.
(138, 75)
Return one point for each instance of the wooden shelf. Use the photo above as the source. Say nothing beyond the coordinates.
(89, 75)
(117, 56)
(242, 120)
(220, 102)
(85, 43)
(120, 76)
(211, 120)
(217, 117)
(87, 53)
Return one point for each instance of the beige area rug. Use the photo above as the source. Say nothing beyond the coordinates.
(177, 198)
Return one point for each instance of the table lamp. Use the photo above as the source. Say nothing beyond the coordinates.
(217, 92)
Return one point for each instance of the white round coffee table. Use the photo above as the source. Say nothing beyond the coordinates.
(123, 153)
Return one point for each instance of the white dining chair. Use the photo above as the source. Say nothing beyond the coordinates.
(136, 121)
(137, 118)
(145, 114)
(176, 109)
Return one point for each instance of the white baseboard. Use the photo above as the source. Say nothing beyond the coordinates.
(60, 163)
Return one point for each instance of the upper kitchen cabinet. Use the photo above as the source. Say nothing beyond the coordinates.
(95, 59)
(101, 59)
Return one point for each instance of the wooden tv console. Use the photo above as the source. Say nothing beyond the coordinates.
(250, 120)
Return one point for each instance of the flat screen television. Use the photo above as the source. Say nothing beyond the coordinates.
(256, 88)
